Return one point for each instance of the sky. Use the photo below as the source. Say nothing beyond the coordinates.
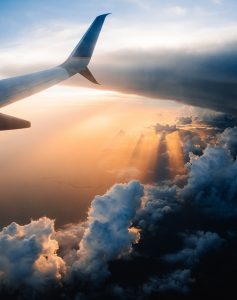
(148, 24)
(126, 190)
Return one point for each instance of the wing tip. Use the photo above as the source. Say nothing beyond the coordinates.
(104, 15)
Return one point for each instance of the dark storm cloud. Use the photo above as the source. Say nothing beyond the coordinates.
(192, 143)
(205, 76)
(228, 139)
(213, 125)
(166, 128)
(199, 77)
(184, 120)
(189, 228)
(218, 120)
(177, 281)
(210, 190)
(158, 202)
(195, 246)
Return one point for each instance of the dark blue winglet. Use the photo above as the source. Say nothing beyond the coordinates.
(86, 45)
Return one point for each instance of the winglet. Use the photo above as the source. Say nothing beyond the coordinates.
(80, 57)
(87, 44)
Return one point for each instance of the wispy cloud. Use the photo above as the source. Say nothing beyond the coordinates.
(217, 1)
(177, 10)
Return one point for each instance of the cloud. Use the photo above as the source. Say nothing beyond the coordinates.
(27, 255)
(147, 241)
(212, 182)
(157, 202)
(68, 239)
(177, 281)
(209, 185)
(35, 256)
(192, 143)
(184, 120)
(139, 241)
(228, 140)
(204, 77)
(202, 127)
(218, 120)
(144, 6)
(200, 116)
(109, 234)
(177, 11)
(217, 1)
(166, 128)
(195, 246)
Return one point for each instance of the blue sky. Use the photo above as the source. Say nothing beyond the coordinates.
(18, 17)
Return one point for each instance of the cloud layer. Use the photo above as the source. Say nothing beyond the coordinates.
(165, 239)
(205, 78)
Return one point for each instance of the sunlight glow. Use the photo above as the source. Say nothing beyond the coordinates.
(176, 159)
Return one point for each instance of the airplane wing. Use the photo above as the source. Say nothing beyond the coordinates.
(10, 123)
(16, 88)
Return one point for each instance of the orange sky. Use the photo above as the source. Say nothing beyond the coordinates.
(81, 142)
